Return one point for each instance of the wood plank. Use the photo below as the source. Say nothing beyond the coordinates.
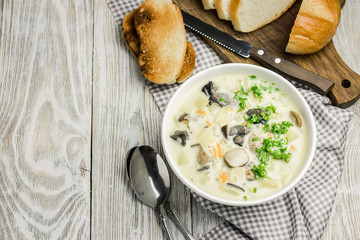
(345, 218)
(1, 10)
(124, 115)
(45, 119)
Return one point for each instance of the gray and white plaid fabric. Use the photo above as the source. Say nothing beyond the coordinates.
(304, 211)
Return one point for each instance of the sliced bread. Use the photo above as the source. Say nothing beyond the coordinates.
(314, 27)
(249, 15)
(189, 63)
(222, 9)
(159, 44)
(162, 40)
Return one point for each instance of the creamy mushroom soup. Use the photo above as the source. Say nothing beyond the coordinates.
(237, 137)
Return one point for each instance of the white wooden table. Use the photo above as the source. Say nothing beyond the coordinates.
(72, 102)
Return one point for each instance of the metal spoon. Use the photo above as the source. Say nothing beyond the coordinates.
(150, 179)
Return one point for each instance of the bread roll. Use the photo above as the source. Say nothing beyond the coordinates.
(314, 27)
(159, 42)
(249, 15)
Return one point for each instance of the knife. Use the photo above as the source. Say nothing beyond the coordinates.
(262, 56)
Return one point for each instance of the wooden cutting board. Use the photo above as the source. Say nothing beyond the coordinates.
(274, 37)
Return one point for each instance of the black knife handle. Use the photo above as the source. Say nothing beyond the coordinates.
(289, 69)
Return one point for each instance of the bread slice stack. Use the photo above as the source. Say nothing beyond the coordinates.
(155, 34)
(314, 27)
(248, 15)
(223, 9)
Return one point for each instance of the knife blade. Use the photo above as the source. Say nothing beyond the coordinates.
(262, 56)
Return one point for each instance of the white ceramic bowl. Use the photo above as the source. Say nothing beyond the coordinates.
(248, 69)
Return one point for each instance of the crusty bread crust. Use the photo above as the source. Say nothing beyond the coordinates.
(234, 5)
(189, 63)
(130, 36)
(314, 27)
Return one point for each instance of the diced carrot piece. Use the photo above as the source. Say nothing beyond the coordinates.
(208, 123)
(293, 147)
(201, 112)
(214, 151)
(220, 150)
(223, 177)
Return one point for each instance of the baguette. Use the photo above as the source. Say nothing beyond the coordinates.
(314, 27)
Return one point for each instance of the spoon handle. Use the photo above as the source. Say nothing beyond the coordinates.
(174, 217)
(162, 221)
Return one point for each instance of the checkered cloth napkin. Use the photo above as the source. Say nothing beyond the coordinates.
(304, 211)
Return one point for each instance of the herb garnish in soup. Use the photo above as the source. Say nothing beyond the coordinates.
(237, 137)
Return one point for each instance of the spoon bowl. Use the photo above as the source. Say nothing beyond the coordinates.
(148, 175)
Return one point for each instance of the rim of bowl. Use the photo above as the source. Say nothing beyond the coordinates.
(198, 78)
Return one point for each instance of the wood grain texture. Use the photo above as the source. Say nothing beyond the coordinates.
(125, 115)
(71, 94)
(273, 38)
(45, 119)
(1, 13)
(345, 218)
